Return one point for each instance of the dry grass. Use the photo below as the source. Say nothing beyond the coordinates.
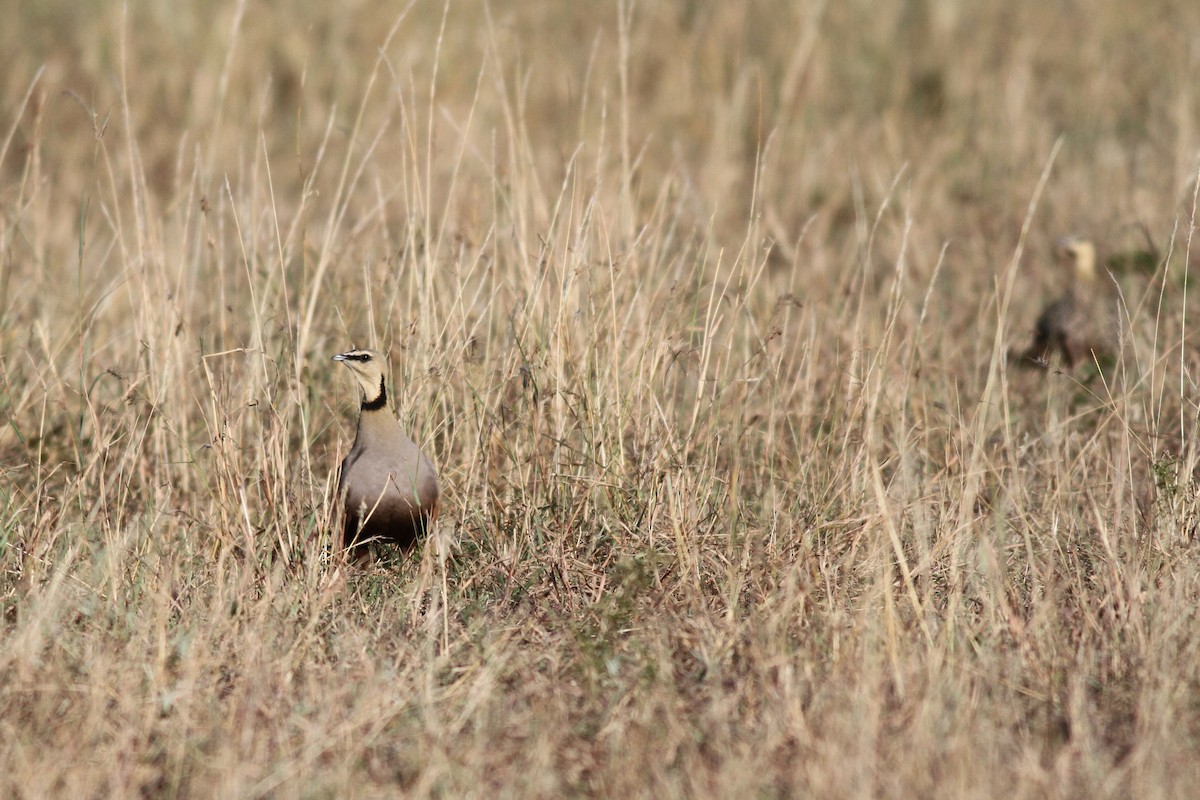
(701, 309)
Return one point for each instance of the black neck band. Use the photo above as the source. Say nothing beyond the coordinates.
(379, 402)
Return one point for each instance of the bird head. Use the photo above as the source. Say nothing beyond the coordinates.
(370, 369)
(1079, 254)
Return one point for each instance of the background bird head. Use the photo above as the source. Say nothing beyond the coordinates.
(1079, 255)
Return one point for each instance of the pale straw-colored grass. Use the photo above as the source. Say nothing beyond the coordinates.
(702, 310)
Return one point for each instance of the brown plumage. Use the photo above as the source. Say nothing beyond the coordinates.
(388, 487)
(1083, 323)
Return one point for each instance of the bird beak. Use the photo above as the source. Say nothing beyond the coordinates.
(1065, 246)
(340, 357)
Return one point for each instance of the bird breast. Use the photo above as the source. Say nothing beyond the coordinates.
(403, 482)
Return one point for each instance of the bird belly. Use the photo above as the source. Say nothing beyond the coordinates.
(390, 508)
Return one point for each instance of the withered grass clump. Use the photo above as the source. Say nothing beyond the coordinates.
(702, 310)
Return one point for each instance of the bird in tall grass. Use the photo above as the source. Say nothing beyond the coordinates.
(388, 486)
(1084, 323)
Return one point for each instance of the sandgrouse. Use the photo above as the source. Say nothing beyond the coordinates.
(388, 487)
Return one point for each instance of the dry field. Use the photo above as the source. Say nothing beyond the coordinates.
(700, 307)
